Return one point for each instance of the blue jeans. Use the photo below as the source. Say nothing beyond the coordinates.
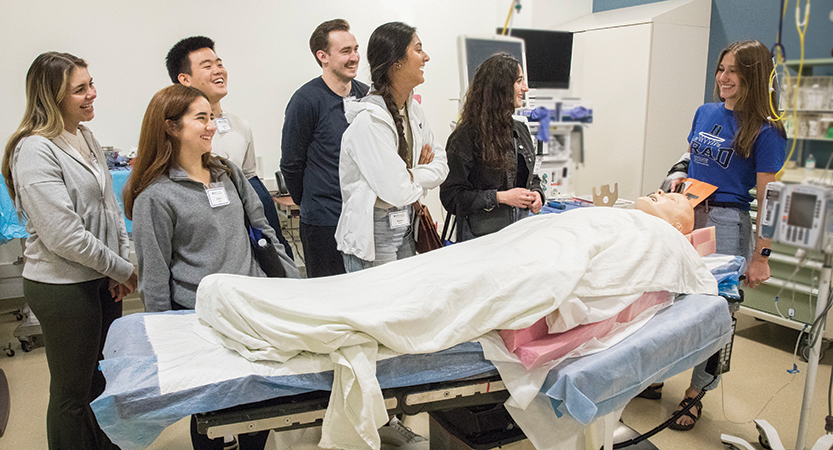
(732, 228)
(733, 236)
(390, 244)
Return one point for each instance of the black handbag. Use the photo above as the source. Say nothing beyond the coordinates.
(263, 250)
(485, 222)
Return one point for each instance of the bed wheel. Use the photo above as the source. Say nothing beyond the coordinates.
(18, 316)
(27, 345)
(804, 350)
(9, 351)
(764, 442)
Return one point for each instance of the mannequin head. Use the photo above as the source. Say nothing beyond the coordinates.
(672, 208)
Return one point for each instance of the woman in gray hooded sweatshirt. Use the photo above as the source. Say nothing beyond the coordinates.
(77, 269)
(188, 209)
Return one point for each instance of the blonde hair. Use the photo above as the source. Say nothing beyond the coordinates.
(46, 87)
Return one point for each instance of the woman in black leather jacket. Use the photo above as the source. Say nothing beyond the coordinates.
(491, 157)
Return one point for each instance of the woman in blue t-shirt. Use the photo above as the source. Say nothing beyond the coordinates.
(735, 146)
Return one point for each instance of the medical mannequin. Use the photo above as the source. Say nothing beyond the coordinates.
(672, 208)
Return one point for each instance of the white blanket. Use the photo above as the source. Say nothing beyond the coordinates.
(431, 302)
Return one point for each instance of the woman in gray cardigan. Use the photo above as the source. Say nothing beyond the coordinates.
(188, 208)
(77, 267)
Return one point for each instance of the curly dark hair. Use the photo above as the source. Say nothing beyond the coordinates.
(387, 45)
(488, 108)
(178, 61)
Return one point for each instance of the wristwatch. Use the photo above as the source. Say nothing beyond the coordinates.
(766, 252)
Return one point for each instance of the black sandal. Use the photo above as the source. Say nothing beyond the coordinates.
(652, 392)
(686, 401)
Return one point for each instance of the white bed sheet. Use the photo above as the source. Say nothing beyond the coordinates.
(581, 264)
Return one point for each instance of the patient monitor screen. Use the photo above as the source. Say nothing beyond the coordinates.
(479, 50)
(801, 210)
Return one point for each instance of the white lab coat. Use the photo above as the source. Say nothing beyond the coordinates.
(370, 167)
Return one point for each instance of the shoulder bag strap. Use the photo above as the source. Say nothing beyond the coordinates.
(234, 180)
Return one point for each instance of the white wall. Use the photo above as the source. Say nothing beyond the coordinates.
(264, 44)
(543, 14)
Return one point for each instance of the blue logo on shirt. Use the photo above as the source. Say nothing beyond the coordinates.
(708, 146)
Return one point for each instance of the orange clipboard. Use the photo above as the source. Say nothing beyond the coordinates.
(696, 191)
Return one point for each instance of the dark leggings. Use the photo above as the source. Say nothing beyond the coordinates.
(74, 319)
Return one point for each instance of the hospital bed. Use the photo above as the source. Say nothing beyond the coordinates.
(160, 368)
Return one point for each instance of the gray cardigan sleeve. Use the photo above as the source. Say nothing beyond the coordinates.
(254, 210)
(41, 188)
(153, 233)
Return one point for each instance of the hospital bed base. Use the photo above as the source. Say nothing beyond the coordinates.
(307, 410)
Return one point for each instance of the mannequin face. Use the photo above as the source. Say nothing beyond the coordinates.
(672, 208)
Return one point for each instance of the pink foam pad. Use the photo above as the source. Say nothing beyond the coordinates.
(554, 346)
(557, 345)
(702, 235)
(706, 248)
(515, 338)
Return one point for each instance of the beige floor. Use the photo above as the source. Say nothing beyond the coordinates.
(762, 355)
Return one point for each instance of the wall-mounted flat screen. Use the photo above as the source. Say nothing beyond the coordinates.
(548, 57)
(474, 50)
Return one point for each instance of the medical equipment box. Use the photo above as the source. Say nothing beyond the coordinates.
(475, 427)
(798, 215)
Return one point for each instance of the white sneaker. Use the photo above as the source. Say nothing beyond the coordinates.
(397, 433)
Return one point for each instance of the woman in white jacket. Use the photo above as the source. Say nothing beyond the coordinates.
(389, 158)
(76, 270)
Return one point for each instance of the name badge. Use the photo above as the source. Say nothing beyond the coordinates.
(217, 195)
(223, 125)
(400, 219)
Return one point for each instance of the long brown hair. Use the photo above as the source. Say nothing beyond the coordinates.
(753, 65)
(46, 86)
(488, 108)
(387, 45)
(158, 149)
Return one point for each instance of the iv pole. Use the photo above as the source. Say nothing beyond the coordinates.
(813, 359)
(767, 432)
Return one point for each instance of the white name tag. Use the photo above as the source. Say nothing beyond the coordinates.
(217, 195)
(400, 219)
(223, 125)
